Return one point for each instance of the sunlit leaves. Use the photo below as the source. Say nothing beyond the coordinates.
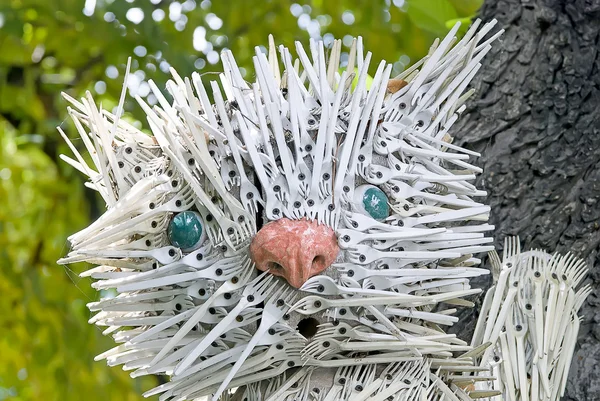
(437, 16)
(46, 344)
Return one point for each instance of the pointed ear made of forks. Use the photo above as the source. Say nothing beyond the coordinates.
(530, 317)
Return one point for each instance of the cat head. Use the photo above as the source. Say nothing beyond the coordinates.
(296, 226)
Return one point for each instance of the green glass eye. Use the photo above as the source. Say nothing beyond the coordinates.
(185, 230)
(372, 201)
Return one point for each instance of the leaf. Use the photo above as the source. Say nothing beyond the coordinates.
(368, 79)
(464, 24)
(466, 7)
(431, 15)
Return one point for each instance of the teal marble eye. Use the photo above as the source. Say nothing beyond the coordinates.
(185, 230)
(372, 201)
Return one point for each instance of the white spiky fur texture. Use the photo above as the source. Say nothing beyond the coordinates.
(299, 142)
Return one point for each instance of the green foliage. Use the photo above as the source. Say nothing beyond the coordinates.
(46, 344)
(438, 16)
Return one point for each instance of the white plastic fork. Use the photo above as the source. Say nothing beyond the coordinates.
(348, 238)
(537, 276)
(197, 260)
(438, 318)
(401, 190)
(407, 285)
(164, 255)
(364, 255)
(194, 290)
(222, 270)
(471, 213)
(128, 226)
(273, 311)
(358, 272)
(265, 364)
(498, 324)
(254, 293)
(518, 330)
(507, 267)
(313, 304)
(341, 376)
(362, 223)
(325, 285)
(193, 315)
(178, 303)
(330, 346)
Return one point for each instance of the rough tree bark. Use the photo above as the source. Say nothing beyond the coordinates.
(536, 120)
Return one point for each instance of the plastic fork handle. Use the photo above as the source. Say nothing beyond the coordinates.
(131, 299)
(394, 388)
(479, 327)
(443, 387)
(336, 363)
(213, 360)
(277, 395)
(539, 318)
(333, 303)
(396, 345)
(550, 316)
(453, 215)
(455, 294)
(387, 235)
(521, 365)
(495, 305)
(502, 316)
(160, 282)
(332, 395)
(187, 327)
(427, 316)
(142, 307)
(373, 301)
(430, 273)
(406, 148)
(210, 337)
(510, 375)
(369, 223)
(421, 255)
(158, 254)
(149, 274)
(241, 359)
(367, 391)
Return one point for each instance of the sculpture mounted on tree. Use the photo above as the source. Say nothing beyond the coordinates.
(306, 237)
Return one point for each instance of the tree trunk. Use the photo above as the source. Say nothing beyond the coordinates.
(536, 120)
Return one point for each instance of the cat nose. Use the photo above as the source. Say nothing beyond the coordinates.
(294, 249)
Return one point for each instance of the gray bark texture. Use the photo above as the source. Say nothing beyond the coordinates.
(535, 119)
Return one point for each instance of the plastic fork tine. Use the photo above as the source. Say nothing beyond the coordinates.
(194, 317)
(254, 293)
(581, 296)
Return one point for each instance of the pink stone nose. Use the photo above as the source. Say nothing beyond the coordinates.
(294, 249)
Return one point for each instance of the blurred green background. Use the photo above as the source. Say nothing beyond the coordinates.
(48, 46)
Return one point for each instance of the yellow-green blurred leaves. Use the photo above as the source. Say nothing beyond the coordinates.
(46, 345)
(437, 16)
(466, 7)
(431, 15)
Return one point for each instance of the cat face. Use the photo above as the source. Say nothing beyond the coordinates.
(298, 232)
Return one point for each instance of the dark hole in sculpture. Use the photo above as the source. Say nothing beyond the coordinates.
(307, 327)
